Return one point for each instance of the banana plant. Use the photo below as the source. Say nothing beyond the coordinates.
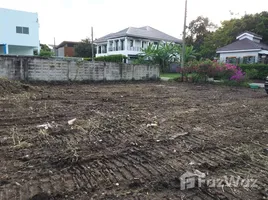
(190, 53)
(162, 54)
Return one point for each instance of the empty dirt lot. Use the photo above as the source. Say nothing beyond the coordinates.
(132, 141)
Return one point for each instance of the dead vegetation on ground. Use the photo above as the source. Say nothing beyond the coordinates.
(131, 141)
(13, 87)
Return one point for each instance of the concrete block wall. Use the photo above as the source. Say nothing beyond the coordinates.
(12, 69)
(53, 69)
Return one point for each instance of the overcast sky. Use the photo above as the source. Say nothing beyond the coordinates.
(71, 19)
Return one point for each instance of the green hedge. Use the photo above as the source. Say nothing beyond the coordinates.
(112, 58)
(88, 59)
(255, 71)
(45, 53)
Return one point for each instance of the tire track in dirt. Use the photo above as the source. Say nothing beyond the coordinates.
(131, 166)
(121, 149)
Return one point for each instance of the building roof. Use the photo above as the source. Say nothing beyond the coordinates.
(7, 9)
(66, 42)
(249, 32)
(145, 32)
(244, 44)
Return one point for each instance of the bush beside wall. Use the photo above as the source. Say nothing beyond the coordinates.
(87, 59)
(255, 71)
(112, 58)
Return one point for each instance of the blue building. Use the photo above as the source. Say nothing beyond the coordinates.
(19, 33)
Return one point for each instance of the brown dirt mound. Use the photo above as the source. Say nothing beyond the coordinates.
(13, 87)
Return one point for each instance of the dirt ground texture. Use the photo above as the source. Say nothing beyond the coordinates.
(132, 141)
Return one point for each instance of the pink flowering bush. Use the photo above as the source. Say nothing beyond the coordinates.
(238, 76)
(214, 69)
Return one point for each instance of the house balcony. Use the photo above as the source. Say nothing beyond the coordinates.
(119, 50)
(116, 48)
(137, 49)
(104, 51)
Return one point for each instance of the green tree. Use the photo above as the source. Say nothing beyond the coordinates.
(45, 51)
(163, 54)
(44, 47)
(190, 53)
(230, 29)
(197, 30)
(84, 49)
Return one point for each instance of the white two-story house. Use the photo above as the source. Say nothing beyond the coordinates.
(19, 33)
(131, 41)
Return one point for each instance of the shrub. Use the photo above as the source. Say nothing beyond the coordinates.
(243, 83)
(252, 73)
(142, 61)
(209, 68)
(256, 71)
(112, 58)
(238, 76)
(87, 59)
(198, 78)
(46, 53)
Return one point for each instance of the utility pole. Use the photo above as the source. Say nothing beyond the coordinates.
(92, 45)
(55, 53)
(184, 36)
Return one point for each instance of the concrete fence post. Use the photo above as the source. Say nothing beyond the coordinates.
(104, 72)
(25, 69)
(68, 71)
(121, 70)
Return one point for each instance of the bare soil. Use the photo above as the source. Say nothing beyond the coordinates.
(12, 87)
(132, 141)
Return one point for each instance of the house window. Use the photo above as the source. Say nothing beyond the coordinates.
(143, 44)
(131, 43)
(18, 29)
(122, 44)
(22, 30)
(25, 30)
(231, 60)
(248, 59)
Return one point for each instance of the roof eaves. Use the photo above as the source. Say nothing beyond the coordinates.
(249, 32)
(155, 38)
(65, 42)
(234, 51)
(255, 34)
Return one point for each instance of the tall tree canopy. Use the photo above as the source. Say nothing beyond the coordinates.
(84, 49)
(45, 51)
(230, 29)
(197, 30)
(45, 47)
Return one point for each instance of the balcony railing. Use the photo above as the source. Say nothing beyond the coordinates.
(122, 48)
(134, 48)
(116, 48)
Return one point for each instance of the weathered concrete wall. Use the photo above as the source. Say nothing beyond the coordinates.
(44, 69)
